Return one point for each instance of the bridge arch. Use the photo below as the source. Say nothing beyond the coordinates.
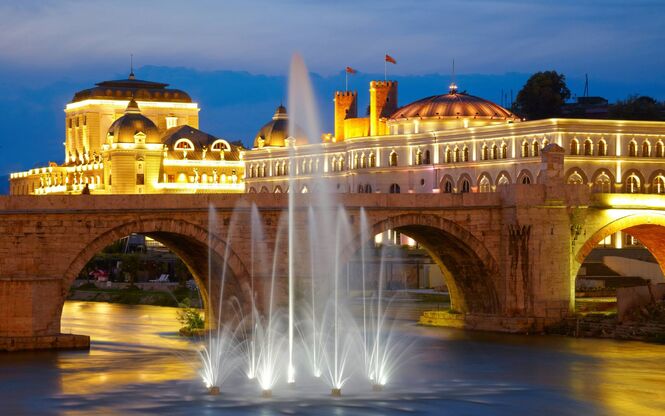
(191, 243)
(470, 270)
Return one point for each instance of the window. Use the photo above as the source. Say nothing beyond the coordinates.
(465, 154)
(356, 161)
(646, 149)
(456, 155)
(633, 184)
(448, 157)
(140, 179)
(394, 188)
(466, 186)
(575, 179)
(632, 149)
(495, 151)
(536, 148)
(525, 149)
(372, 160)
(602, 148)
(363, 161)
(484, 153)
(171, 122)
(526, 180)
(602, 183)
(184, 144)
(588, 148)
(368, 189)
(660, 149)
(393, 158)
(419, 157)
(484, 185)
(574, 147)
(448, 187)
(427, 160)
(503, 180)
(659, 185)
(341, 163)
(504, 151)
(221, 146)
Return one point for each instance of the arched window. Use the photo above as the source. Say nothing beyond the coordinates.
(602, 183)
(448, 187)
(286, 167)
(448, 155)
(427, 160)
(504, 151)
(526, 180)
(279, 170)
(484, 185)
(658, 186)
(372, 160)
(466, 186)
(660, 149)
(393, 158)
(503, 180)
(465, 154)
(535, 146)
(574, 147)
(457, 155)
(220, 146)
(394, 188)
(363, 161)
(419, 157)
(632, 148)
(588, 147)
(341, 163)
(525, 149)
(602, 148)
(304, 190)
(575, 179)
(646, 149)
(356, 161)
(633, 184)
(368, 189)
(184, 144)
(484, 154)
(495, 152)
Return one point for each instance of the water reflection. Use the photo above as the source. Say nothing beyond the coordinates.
(137, 364)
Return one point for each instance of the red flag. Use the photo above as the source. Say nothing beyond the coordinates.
(350, 70)
(390, 59)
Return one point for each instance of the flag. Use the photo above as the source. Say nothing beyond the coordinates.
(390, 59)
(350, 70)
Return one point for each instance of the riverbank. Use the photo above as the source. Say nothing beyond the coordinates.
(139, 294)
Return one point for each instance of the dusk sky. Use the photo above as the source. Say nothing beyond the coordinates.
(49, 49)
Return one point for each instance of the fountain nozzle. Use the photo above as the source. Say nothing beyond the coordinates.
(336, 393)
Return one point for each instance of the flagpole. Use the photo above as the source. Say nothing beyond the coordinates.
(385, 67)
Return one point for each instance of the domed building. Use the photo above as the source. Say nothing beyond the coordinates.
(135, 136)
(276, 132)
(448, 111)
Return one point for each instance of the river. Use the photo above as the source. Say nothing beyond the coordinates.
(138, 365)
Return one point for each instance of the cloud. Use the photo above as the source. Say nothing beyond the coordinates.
(483, 36)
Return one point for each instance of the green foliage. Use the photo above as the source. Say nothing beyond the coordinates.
(190, 318)
(637, 108)
(542, 96)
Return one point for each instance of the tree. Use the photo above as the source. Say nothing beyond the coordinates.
(542, 96)
(637, 108)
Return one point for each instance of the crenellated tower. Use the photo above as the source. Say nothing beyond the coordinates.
(382, 103)
(346, 107)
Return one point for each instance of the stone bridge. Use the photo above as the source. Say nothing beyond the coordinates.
(509, 257)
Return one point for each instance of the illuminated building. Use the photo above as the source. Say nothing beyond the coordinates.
(457, 143)
(133, 136)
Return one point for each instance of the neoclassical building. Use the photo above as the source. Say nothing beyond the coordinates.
(455, 142)
(133, 136)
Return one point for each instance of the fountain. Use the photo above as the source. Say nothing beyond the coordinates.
(334, 342)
